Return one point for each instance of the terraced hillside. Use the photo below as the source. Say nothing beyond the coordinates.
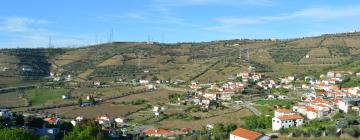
(203, 61)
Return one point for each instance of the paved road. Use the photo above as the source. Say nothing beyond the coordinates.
(251, 108)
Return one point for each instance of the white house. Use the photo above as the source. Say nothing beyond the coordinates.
(343, 105)
(244, 134)
(97, 83)
(211, 95)
(144, 81)
(119, 120)
(103, 119)
(286, 121)
(283, 112)
(151, 87)
(5, 113)
(308, 111)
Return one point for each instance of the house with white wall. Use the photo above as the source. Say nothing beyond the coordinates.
(283, 112)
(287, 122)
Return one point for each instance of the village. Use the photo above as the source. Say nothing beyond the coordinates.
(287, 103)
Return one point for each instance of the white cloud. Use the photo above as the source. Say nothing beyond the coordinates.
(20, 24)
(28, 32)
(227, 24)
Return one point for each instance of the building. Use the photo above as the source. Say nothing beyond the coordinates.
(144, 81)
(283, 112)
(286, 121)
(5, 113)
(97, 83)
(343, 105)
(244, 134)
(52, 121)
(157, 133)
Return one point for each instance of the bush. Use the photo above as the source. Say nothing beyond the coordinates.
(255, 122)
(350, 131)
(331, 131)
(314, 132)
(284, 131)
(297, 132)
(16, 134)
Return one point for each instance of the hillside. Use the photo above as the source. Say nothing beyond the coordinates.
(204, 61)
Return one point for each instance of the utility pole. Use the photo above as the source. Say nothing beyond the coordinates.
(111, 36)
(50, 45)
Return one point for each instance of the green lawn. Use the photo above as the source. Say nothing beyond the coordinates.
(267, 107)
(41, 96)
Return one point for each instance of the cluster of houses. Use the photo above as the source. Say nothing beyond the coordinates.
(320, 99)
(206, 93)
(153, 132)
(59, 77)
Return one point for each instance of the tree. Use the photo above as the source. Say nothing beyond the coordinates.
(350, 131)
(331, 130)
(16, 134)
(297, 132)
(19, 119)
(314, 132)
(87, 132)
(154, 78)
(35, 122)
(284, 131)
(219, 131)
(230, 127)
(80, 101)
(255, 122)
(92, 100)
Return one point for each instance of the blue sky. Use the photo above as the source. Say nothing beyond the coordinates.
(25, 23)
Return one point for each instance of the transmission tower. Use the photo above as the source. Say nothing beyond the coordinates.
(50, 44)
(111, 36)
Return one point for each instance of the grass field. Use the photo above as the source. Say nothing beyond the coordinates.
(96, 111)
(115, 60)
(234, 117)
(12, 99)
(101, 92)
(45, 96)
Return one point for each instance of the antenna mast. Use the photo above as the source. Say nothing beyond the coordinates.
(50, 45)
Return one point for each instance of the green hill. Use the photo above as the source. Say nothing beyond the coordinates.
(202, 61)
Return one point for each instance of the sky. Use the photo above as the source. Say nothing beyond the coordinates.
(74, 23)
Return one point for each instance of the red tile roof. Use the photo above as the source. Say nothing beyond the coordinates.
(284, 110)
(51, 120)
(157, 131)
(309, 108)
(290, 117)
(247, 134)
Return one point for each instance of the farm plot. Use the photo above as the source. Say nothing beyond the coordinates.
(95, 111)
(45, 96)
(12, 99)
(234, 117)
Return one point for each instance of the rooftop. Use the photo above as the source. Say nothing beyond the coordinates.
(248, 134)
(284, 110)
(290, 117)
